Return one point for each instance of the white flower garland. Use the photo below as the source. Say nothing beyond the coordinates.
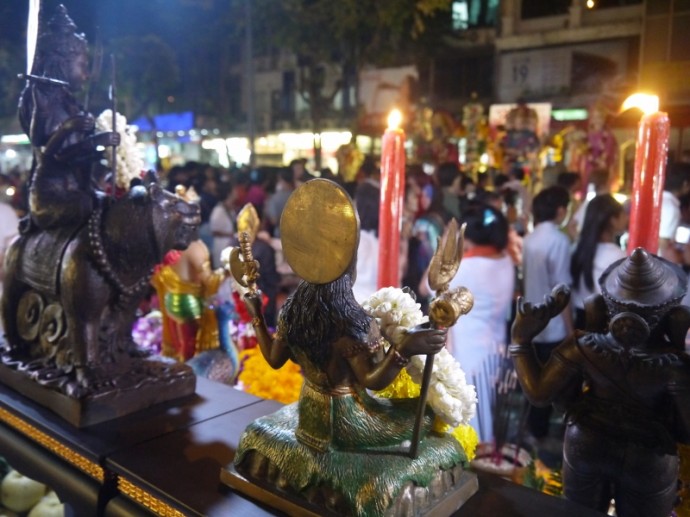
(395, 311)
(451, 398)
(129, 162)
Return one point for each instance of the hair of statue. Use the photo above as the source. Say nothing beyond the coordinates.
(316, 315)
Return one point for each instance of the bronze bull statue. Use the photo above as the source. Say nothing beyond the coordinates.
(71, 295)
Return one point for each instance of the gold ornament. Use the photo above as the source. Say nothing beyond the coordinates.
(319, 230)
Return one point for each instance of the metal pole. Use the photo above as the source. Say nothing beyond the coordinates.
(249, 69)
(113, 100)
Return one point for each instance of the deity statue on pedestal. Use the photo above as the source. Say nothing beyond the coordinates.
(339, 450)
(76, 275)
(196, 321)
(625, 384)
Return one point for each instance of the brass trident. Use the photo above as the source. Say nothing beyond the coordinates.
(239, 260)
(445, 308)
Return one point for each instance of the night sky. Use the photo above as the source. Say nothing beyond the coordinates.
(170, 19)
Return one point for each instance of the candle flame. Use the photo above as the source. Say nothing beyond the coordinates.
(645, 102)
(394, 119)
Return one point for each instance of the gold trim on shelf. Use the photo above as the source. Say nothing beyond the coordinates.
(77, 460)
(145, 499)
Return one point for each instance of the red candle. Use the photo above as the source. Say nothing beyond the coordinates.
(648, 184)
(392, 197)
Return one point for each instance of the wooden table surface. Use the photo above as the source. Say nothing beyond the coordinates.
(170, 457)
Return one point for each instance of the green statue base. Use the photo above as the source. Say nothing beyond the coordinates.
(273, 466)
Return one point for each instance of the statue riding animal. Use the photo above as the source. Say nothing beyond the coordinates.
(71, 295)
(83, 261)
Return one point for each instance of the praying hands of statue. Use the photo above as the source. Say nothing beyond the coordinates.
(532, 318)
(422, 340)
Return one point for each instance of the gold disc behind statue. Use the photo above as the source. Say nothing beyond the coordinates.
(319, 230)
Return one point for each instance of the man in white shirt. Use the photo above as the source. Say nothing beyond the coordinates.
(546, 263)
(677, 183)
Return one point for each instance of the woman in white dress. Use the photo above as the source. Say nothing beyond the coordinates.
(367, 204)
(222, 223)
(479, 337)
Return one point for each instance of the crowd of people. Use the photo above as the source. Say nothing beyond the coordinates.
(517, 243)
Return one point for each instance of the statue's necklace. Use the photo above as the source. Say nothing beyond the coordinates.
(103, 264)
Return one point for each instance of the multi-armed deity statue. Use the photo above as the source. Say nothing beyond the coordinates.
(83, 261)
(338, 450)
(625, 383)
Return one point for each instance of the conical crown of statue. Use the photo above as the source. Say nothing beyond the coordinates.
(643, 283)
(59, 40)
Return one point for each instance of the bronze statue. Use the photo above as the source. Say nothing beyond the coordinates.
(71, 295)
(625, 383)
(76, 275)
(61, 189)
(339, 450)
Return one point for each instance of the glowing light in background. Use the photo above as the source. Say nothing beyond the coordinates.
(394, 119)
(645, 102)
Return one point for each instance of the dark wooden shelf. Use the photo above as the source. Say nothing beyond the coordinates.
(166, 460)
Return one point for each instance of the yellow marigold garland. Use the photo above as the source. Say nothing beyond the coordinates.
(403, 387)
(258, 378)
